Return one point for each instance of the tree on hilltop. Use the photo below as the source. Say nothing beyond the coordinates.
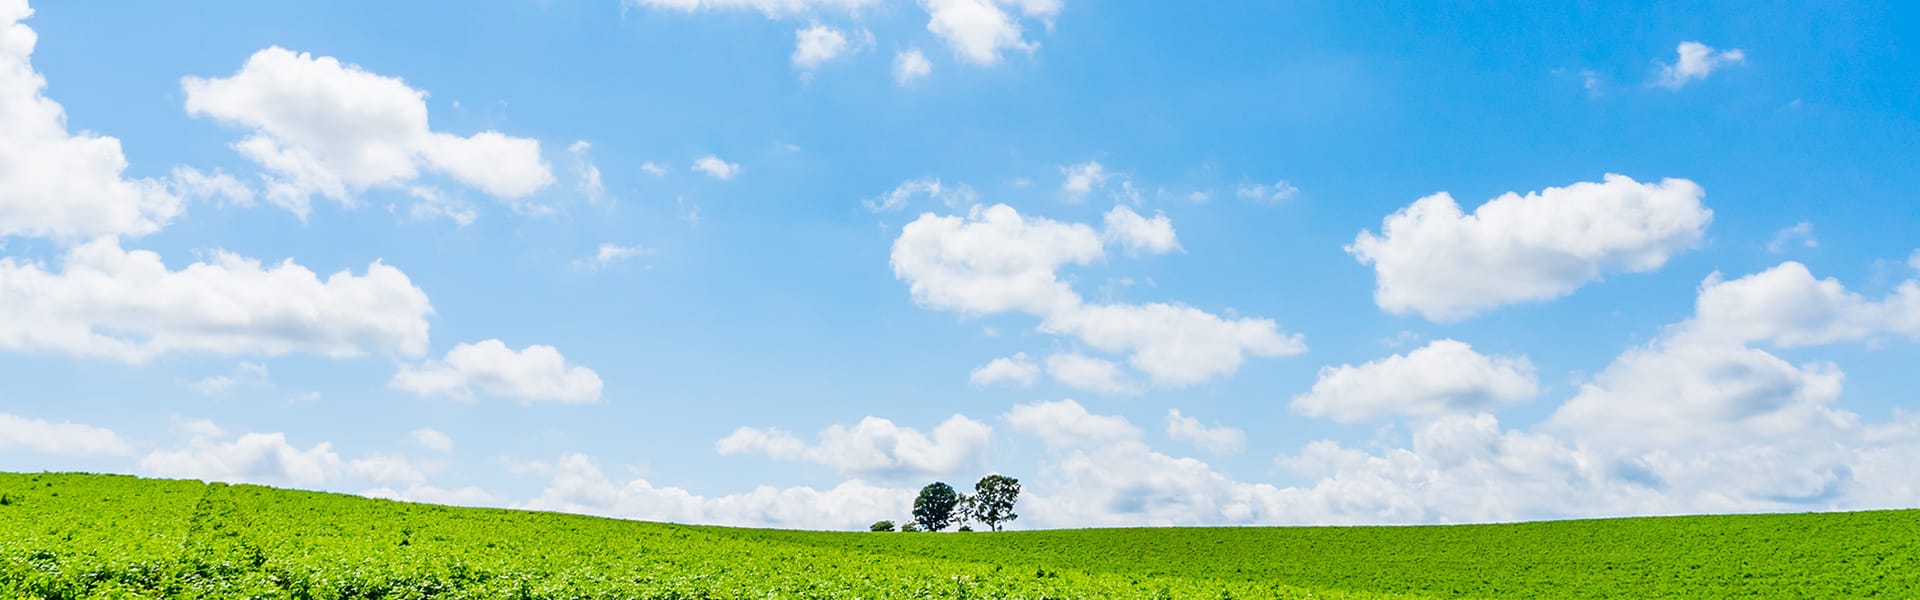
(992, 500)
(933, 510)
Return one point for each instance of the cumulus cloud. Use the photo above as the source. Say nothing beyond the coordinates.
(1067, 424)
(1016, 369)
(1723, 425)
(1218, 439)
(1435, 260)
(127, 305)
(909, 66)
(1442, 377)
(716, 168)
(874, 448)
(818, 44)
(37, 436)
(1176, 345)
(578, 485)
(1787, 307)
(259, 458)
(54, 183)
(1279, 191)
(1083, 372)
(1696, 61)
(320, 126)
(531, 375)
(387, 469)
(1082, 178)
(977, 30)
(1140, 234)
(992, 260)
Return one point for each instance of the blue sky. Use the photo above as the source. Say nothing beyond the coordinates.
(780, 262)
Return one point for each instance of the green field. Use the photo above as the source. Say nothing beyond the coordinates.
(68, 535)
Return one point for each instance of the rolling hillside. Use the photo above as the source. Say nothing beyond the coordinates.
(73, 535)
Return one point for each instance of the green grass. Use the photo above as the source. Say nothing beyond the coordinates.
(70, 535)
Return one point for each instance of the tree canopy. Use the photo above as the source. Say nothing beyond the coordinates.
(992, 500)
(933, 510)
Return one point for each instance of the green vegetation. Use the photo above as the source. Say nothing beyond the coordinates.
(67, 536)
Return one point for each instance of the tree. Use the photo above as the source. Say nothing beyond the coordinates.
(882, 526)
(933, 510)
(910, 527)
(992, 500)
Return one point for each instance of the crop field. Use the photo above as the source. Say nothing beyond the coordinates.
(72, 536)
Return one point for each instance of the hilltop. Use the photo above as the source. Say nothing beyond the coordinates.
(77, 535)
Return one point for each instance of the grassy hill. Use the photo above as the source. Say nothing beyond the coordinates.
(70, 535)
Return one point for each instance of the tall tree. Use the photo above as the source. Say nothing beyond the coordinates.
(992, 500)
(933, 510)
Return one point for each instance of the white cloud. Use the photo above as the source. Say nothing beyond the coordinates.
(586, 174)
(53, 183)
(873, 448)
(1219, 439)
(1785, 306)
(654, 169)
(21, 434)
(387, 469)
(819, 44)
(771, 8)
(1799, 235)
(431, 439)
(245, 374)
(955, 197)
(1445, 265)
(609, 254)
(1091, 374)
(579, 486)
(910, 65)
(1140, 234)
(1011, 369)
(531, 375)
(1696, 61)
(320, 126)
(190, 184)
(1440, 378)
(260, 458)
(1913, 260)
(128, 306)
(1082, 178)
(1066, 424)
(976, 30)
(992, 260)
(1280, 191)
(1174, 344)
(716, 168)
